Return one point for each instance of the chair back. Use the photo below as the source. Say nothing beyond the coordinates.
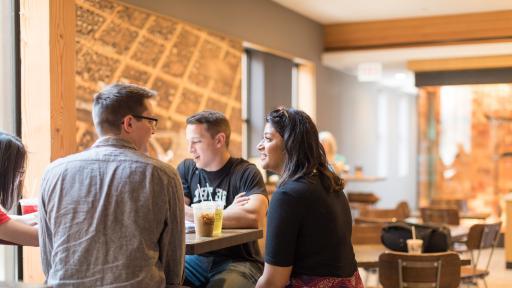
(482, 236)
(368, 233)
(438, 215)
(380, 213)
(460, 204)
(362, 197)
(441, 270)
(404, 209)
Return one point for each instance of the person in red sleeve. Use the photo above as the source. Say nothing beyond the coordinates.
(12, 166)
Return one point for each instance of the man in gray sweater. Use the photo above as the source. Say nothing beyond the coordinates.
(111, 215)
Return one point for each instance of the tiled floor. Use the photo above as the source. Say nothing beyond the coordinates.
(498, 278)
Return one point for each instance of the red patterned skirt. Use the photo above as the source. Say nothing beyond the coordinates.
(325, 282)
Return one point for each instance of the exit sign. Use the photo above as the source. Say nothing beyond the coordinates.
(371, 71)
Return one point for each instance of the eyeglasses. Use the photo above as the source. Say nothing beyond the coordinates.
(152, 121)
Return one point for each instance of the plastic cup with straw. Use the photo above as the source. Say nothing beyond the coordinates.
(414, 246)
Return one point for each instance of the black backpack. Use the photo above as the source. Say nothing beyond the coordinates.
(436, 238)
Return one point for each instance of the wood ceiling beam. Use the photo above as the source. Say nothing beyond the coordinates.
(466, 63)
(425, 31)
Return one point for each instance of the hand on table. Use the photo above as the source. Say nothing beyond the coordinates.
(240, 200)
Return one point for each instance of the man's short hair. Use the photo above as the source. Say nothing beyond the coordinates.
(214, 122)
(115, 102)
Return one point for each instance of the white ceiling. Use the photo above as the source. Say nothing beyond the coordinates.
(337, 11)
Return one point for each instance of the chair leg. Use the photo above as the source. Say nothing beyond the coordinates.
(370, 272)
(366, 276)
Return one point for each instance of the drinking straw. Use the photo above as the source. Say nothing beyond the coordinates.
(200, 194)
(413, 232)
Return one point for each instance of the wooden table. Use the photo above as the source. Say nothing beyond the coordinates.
(361, 178)
(474, 215)
(367, 256)
(228, 238)
(462, 215)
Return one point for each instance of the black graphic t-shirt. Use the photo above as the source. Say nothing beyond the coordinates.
(236, 176)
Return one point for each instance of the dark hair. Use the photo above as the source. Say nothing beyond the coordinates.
(214, 122)
(115, 102)
(304, 153)
(12, 167)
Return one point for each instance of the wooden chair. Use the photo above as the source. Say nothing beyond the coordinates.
(401, 212)
(459, 204)
(367, 198)
(437, 215)
(440, 270)
(403, 209)
(359, 201)
(367, 234)
(480, 237)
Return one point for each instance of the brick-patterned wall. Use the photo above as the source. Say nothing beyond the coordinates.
(191, 69)
(481, 177)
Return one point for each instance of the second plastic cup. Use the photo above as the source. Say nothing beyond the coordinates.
(414, 246)
(28, 205)
(219, 209)
(204, 218)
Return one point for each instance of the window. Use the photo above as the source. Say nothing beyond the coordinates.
(382, 135)
(269, 83)
(9, 106)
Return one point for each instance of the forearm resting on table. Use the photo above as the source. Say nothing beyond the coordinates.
(250, 215)
(19, 233)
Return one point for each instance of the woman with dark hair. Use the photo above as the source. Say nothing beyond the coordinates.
(309, 225)
(12, 166)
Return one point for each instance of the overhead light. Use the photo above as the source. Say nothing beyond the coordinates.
(400, 76)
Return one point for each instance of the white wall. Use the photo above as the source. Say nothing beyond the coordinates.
(350, 110)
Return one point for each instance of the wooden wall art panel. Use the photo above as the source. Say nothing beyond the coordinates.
(191, 69)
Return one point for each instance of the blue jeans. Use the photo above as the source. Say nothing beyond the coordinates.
(213, 272)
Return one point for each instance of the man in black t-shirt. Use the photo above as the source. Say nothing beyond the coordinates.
(213, 175)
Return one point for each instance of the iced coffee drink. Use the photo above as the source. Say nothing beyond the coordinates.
(204, 219)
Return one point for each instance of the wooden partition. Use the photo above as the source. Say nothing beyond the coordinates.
(47, 92)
